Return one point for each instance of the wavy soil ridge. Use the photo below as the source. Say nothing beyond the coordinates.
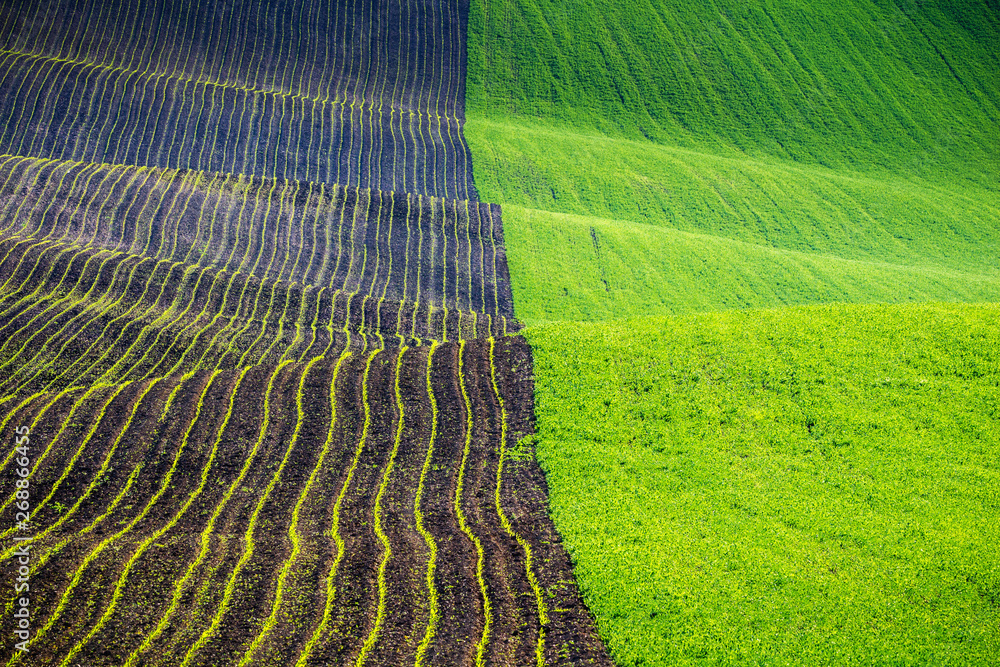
(368, 509)
(100, 317)
(367, 94)
(396, 245)
(257, 322)
(114, 274)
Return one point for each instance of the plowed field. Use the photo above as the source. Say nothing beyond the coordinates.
(372, 509)
(256, 322)
(365, 94)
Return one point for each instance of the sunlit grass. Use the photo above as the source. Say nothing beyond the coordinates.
(796, 486)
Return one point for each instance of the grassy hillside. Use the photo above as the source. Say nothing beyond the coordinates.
(862, 84)
(806, 485)
(763, 201)
(861, 130)
(798, 486)
(581, 268)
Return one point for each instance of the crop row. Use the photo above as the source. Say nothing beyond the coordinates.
(263, 549)
(73, 316)
(82, 114)
(388, 114)
(298, 48)
(447, 253)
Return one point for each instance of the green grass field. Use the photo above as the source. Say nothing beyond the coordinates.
(684, 117)
(763, 201)
(569, 267)
(813, 485)
(823, 215)
(905, 86)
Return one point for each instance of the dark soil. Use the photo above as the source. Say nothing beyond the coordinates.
(145, 597)
(191, 193)
(387, 100)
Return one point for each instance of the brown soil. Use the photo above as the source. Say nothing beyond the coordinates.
(571, 635)
(184, 233)
(144, 598)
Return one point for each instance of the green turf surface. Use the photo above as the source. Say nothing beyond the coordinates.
(812, 485)
(806, 485)
(763, 201)
(567, 267)
(857, 130)
(898, 85)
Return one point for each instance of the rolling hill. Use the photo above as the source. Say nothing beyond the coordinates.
(753, 456)
(261, 402)
(862, 131)
(265, 267)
